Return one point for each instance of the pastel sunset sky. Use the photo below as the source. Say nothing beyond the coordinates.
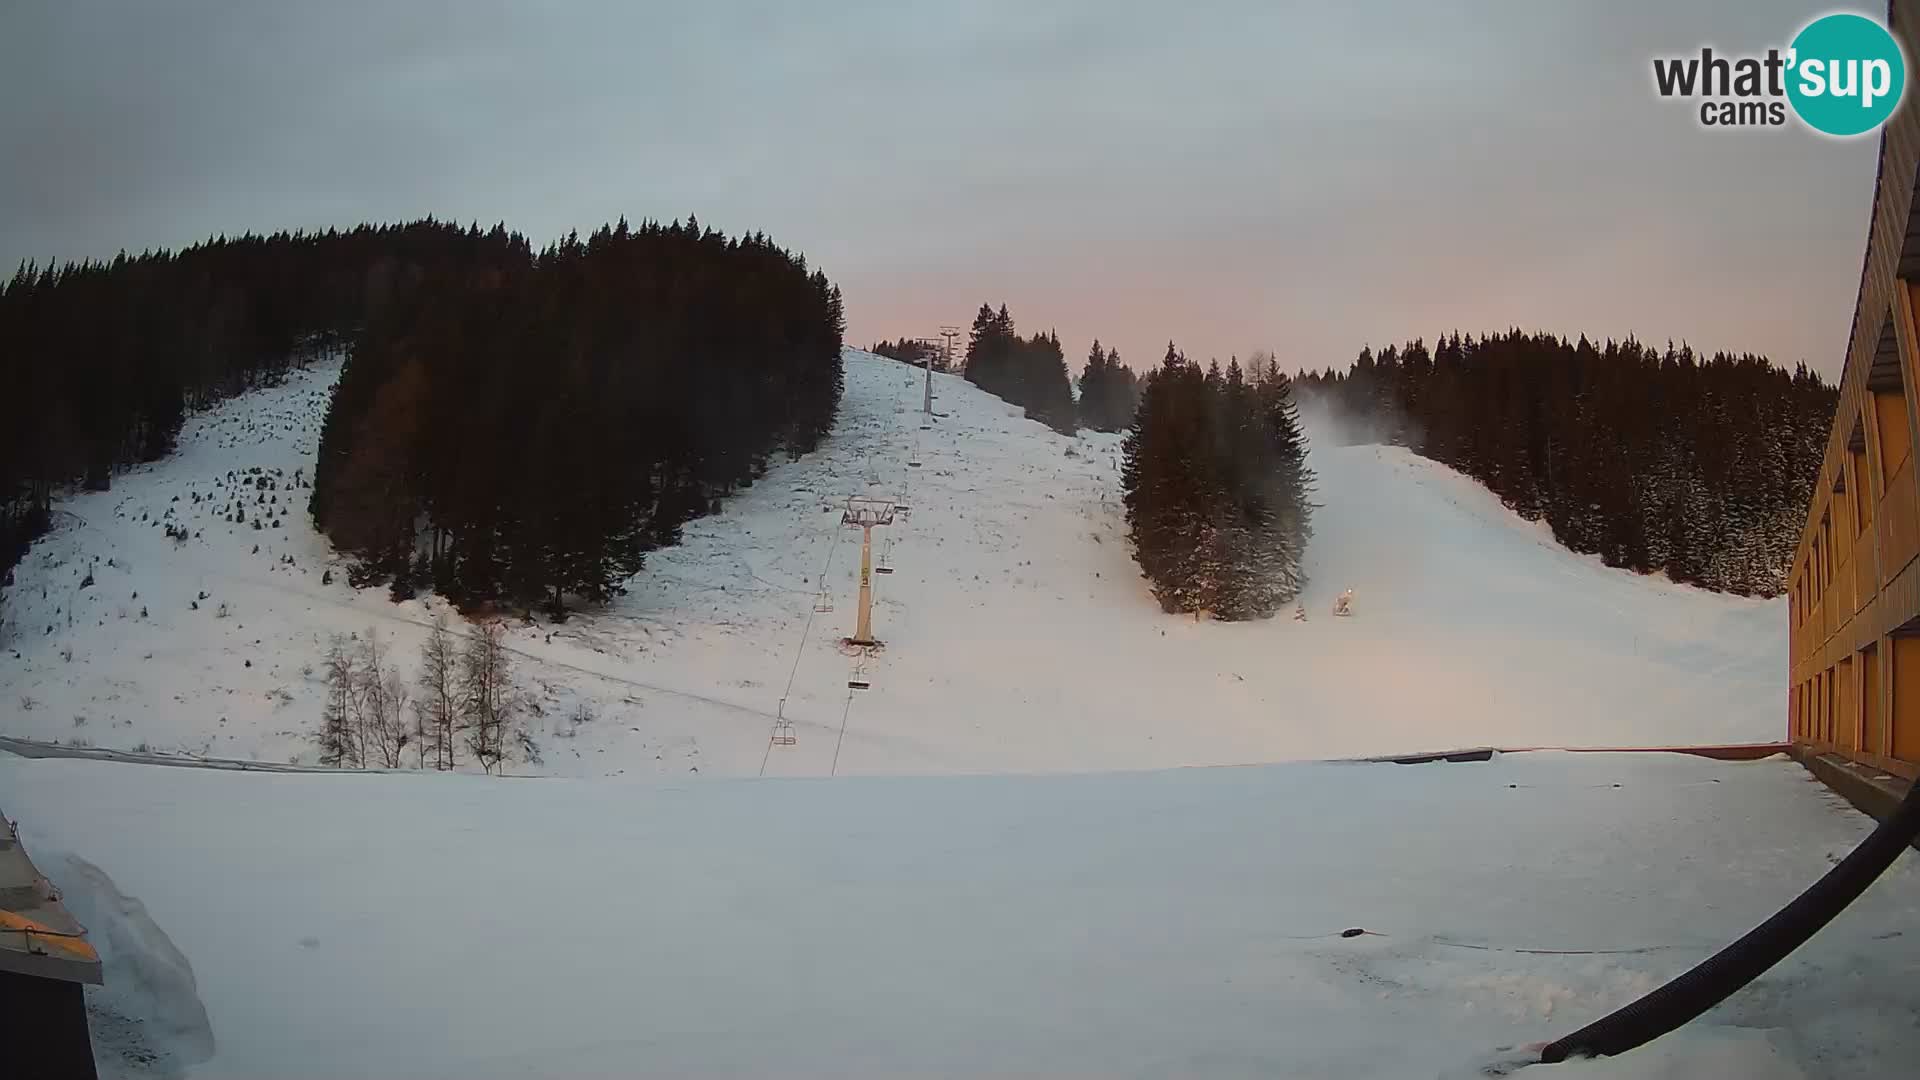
(1231, 174)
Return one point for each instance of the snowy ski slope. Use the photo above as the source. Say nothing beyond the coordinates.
(1018, 635)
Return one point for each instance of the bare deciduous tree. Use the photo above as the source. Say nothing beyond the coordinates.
(421, 736)
(487, 695)
(1260, 366)
(440, 700)
(339, 734)
(395, 735)
(383, 706)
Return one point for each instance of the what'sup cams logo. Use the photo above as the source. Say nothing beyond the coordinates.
(1843, 74)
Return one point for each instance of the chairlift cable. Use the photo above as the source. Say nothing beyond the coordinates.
(800, 651)
(835, 769)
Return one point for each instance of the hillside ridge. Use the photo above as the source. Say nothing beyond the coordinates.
(1018, 633)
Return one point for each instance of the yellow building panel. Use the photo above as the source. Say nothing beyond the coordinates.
(1905, 726)
(1899, 523)
(1866, 578)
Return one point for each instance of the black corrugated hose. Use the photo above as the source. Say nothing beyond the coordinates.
(1716, 978)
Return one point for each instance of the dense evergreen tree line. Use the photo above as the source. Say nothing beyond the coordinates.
(911, 352)
(1654, 460)
(1030, 372)
(526, 428)
(102, 361)
(1023, 371)
(1109, 391)
(1216, 489)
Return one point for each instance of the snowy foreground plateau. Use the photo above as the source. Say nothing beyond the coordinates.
(995, 861)
(1179, 923)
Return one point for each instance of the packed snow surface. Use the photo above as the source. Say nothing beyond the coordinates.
(1018, 635)
(1163, 924)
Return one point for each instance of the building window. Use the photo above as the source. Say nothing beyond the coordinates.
(1846, 719)
(1872, 731)
(1860, 478)
(1832, 708)
(1814, 563)
(1890, 410)
(1826, 551)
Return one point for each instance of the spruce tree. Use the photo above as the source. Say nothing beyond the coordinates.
(1217, 490)
(1290, 489)
(1125, 391)
(1093, 389)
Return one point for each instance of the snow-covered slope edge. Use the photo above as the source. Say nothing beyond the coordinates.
(1018, 634)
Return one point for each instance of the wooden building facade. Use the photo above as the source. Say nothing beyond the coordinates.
(1854, 590)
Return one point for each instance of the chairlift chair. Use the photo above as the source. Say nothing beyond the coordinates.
(783, 734)
(868, 512)
(823, 602)
(858, 680)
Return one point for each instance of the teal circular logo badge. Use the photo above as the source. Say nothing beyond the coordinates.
(1845, 74)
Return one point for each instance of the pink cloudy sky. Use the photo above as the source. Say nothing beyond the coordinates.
(1232, 174)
